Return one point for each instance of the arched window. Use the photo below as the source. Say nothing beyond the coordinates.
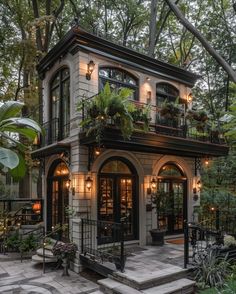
(166, 92)
(170, 170)
(60, 103)
(118, 78)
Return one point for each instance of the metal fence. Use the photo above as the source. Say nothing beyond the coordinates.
(103, 241)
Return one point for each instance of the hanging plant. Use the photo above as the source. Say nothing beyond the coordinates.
(171, 110)
(198, 119)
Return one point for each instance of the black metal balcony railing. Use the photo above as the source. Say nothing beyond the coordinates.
(21, 211)
(171, 127)
(54, 131)
(93, 233)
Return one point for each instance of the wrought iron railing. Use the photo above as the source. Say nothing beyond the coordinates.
(179, 127)
(198, 240)
(54, 131)
(209, 231)
(103, 241)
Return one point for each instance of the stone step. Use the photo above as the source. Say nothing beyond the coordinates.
(110, 286)
(140, 279)
(47, 252)
(97, 292)
(39, 259)
(181, 286)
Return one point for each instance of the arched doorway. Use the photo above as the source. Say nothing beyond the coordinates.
(172, 180)
(58, 195)
(118, 197)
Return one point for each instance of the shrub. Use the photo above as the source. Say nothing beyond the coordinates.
(211, 270)
(229, 241)
(65, 250)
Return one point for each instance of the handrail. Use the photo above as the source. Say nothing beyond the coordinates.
(56, 230)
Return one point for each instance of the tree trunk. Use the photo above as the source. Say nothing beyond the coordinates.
(204, 42)
(152, 28)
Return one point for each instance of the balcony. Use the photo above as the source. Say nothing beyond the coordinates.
(51, 141)
(55, 131)
(164, 135)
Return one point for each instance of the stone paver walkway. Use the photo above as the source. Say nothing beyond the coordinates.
(27, 278)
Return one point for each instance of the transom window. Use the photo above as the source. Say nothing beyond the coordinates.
(170, 170)
(116, 166)
(60, 103)
(118, 78)
(166, 92)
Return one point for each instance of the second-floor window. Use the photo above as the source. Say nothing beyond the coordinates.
(60, 103)
(118, 78)
(166, 92)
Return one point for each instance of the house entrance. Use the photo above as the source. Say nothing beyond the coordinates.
(117, 198)
(171, 180)
(58, 197)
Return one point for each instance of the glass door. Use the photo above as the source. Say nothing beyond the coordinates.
(60, 201)
(173, 216)
(115, 204)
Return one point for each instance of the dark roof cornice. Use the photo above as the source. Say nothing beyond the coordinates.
(78, 38)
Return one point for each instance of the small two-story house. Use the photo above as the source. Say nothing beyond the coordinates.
(114, 182)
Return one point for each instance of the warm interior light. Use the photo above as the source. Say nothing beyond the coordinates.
(89, 183)
(90, 69)
(68, 184)
(36, 207)
(153, 183)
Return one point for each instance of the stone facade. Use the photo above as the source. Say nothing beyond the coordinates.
(82, 201)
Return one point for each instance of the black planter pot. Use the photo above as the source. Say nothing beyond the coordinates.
(157, 237)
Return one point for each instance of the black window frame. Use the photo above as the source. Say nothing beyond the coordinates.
(168, 95)
(62, 130)
(122, 83)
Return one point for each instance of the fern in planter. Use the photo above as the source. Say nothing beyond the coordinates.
(171, 110)
(198, 119)
(106, 107)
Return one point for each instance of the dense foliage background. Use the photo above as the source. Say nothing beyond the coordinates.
(29, 28)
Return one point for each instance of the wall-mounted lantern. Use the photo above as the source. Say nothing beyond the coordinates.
(89, 183)
(90, 69)
(190, 98)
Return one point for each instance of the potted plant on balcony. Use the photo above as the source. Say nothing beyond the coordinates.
(159, 200)
(170, 110)
(198, 119)
(65, 252)
(141, 115)
(105, 108)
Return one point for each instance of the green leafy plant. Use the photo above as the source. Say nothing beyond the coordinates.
(198, 119)
(171, 110)
(29, 243)
(112, 107)
(211, 270)
(161, 203)
(229, 241)
(13, 242)
(12, 126)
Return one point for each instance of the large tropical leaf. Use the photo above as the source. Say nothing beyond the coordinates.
(10, 109)
(21, 122)
(20, 170)
(8, 158)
